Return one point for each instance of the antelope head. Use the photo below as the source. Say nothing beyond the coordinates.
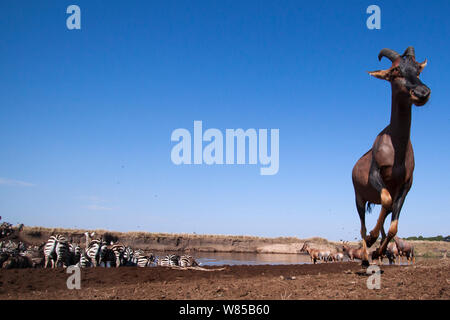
(305, 247)
(404, 75)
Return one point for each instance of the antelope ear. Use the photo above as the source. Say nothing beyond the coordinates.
(380, 74)
(422, 65)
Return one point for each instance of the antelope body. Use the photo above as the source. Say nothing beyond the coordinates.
(384, 174)
(405, 249)
(313, 253)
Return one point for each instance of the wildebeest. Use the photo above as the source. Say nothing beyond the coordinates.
(384, 174)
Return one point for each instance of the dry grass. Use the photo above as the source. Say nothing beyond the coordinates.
(142, 235)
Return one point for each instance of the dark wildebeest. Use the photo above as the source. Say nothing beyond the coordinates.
(384, 174)
(313, 253)
(405, 249)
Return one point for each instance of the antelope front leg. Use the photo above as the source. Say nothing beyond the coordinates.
(373, 235)
(391, 234)
(360, 206)
(365, 256)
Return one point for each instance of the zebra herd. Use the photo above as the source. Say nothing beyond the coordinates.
(59, 252)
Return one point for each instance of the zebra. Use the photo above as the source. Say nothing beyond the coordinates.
(74, 253)
(170, 260)
(129, 256)
(8, 246)
(143, 260)
(118, 250)
(35, 256)
(85, 261)
(187, 261)
(107, 256)
(95, 251)
(56, 251)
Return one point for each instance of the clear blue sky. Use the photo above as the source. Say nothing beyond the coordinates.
(86, 115)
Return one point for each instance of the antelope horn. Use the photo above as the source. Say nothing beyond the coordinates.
(423, 65)
(389, 53)
(409, 52)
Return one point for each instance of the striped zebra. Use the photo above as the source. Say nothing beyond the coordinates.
(107, 256)
(74, 253)
(95, 251)
(187, 261)
(143, 260)
(170, 260)
(118, 250)
(129, 256)
(56, 251)
(85, 261)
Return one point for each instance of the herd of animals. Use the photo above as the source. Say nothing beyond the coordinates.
(395, 251)
(59, 252)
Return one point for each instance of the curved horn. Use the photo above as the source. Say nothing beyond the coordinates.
(410, 52)
(423, 65)
(388, 53)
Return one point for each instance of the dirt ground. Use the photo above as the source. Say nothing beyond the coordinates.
(426, 280)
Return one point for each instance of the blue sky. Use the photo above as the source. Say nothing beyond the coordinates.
(86, 115)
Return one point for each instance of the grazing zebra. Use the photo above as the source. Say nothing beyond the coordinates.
(8, 246)
(118, 250)
(107, 256)
(56, 251)
(129, 256)
(170, 260)
(187, 261)
(144, 260)
(95, 251)
(74, 253)
(35, 255)
(85, 261)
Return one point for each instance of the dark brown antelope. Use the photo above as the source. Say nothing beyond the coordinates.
(405, 249)
(352, 253)
(313, 253)
(384, 175)
(391, 254)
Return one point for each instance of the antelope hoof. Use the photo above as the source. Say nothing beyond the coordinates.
(370, 240)
(386, 199)
(376, 254)
(365, 263)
